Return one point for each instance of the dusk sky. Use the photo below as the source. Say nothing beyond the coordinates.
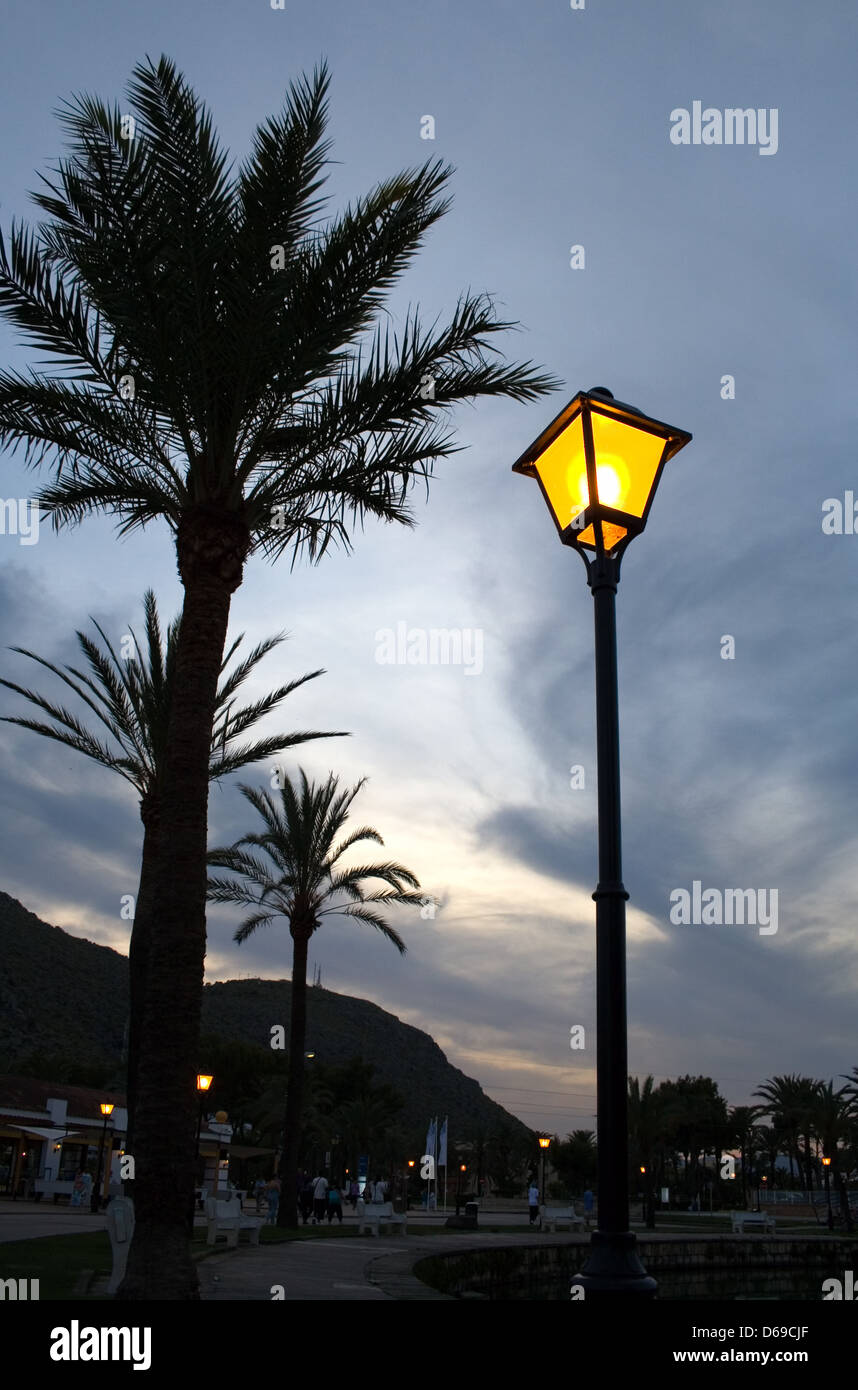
(714, 287)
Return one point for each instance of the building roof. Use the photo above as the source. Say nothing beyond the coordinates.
(22, 1094)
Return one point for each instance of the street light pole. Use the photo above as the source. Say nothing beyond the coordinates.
(598, 464)
(613, 1265)
(544, 1141)
(826, 1163)
(95, 1199)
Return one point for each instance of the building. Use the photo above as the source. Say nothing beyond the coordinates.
(50, 1131)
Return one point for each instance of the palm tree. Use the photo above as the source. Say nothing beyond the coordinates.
(307, 884)
(222, 381)
(792, 1100)
(131, 697)
(741, 1121)
(645, 1126)
(831, 1121)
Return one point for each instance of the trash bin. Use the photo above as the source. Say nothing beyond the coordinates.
(471, 1212)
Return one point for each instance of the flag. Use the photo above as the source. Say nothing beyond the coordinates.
(442, 1148)
(430, 1137)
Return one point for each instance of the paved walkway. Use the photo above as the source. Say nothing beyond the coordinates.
(27, 1220)
(352, 1270)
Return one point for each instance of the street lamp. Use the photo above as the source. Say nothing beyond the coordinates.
(95, 1200)
(203, 1085)
(826, 1163)
(544, 1141)
(598, 465)
(463, 1168)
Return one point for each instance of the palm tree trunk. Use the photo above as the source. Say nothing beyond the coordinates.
(160, 1266)
(138, 964)
(840, 1185)
(288, 1213)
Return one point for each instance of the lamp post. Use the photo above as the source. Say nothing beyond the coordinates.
(463, 1168)
(203, 1085)
(826, 1163)
(598, 465)
(544, 1141)
(95, 1199)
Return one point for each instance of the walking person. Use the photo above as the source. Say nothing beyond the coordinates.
(335, 1204)
(320, 1199)
(588, 1206)
(306, 1199)
(272, 1190)
(533, 1202)
(259, 1192)
(354, 1193)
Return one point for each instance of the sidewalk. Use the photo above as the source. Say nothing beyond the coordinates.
(29, 1220)
(361, 1270)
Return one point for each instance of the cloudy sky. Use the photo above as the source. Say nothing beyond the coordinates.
(701, 262)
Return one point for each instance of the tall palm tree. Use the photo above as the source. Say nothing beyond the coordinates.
(130, 696)
(793, 1100)
(303, 884)
(222, 381)
(831, 1121)
(783, 1105)
(645, 1125)
(741, 1121)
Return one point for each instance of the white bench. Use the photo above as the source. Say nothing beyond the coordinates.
(52, 1186)
(227, 1216)
(552, 1217)
(372, 1215)
(742, 1221)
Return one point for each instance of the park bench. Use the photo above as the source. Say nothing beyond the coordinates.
(53, 1187)
(373, 1215)
(742, 1221)
(227, 1216)
(552, 1217)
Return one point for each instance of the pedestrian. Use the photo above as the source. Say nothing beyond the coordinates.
(78, 1190)
(533, 1203)
(306, 1199)
(379, 1191)
(272, 1190)
(335, 1204)
(354, 1192)
(258, 1192)
(588, 1205)
(320, 1199)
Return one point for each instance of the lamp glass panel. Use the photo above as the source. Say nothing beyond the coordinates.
(611, 536)
(560, 467)
(627, 460)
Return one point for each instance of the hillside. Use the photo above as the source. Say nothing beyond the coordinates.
(62, 995)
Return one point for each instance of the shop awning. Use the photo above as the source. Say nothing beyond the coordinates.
(34, 1132)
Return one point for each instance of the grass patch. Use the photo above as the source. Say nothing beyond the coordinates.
(56, 1261)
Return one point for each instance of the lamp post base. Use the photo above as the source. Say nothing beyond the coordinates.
(613, 1268)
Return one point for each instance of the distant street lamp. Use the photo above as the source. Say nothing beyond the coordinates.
(463, 1168)
(203, 1085)
(826, 1163)
(598, 465)
(544, 1141)
(95, 1200)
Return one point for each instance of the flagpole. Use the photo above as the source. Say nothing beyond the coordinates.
(435, 1159)
(437, 1137)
